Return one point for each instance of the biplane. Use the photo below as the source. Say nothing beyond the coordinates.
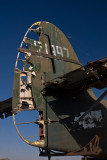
(50, 79)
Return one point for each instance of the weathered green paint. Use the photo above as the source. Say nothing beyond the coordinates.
(37, 67)
(57, 38)
(38, 98)
(25, 66)
(34, 45)
(16, 92)
(60, 107)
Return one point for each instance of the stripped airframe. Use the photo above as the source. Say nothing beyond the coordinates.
(72, 121)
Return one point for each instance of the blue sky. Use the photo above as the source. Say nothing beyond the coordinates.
(85, 21)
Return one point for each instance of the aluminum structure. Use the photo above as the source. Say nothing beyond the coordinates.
(49, 78)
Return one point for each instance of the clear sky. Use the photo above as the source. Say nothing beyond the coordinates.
(85, 21)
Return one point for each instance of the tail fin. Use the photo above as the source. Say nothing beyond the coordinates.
(51, 56)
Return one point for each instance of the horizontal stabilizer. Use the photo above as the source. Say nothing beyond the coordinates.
(6, 108)
(93, 75)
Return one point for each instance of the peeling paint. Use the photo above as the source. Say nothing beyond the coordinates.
(92, 120)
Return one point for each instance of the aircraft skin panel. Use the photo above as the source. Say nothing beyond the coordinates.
(59, 108)
(65, 115)
(16, 92)
(59, 137)
(60, 46)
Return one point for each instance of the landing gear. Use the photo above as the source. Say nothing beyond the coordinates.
(84, 158)
(49, 157)
(45, 153)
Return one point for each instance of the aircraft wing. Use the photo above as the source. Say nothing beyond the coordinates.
(93, 75)
(6, 108)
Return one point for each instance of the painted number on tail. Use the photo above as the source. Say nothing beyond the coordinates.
(58, 51)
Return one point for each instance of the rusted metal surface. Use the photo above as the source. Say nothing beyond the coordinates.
(83, 78)
(91, 149)
(101, 63)
(41, 126)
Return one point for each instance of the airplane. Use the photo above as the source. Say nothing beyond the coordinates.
(50, 79)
